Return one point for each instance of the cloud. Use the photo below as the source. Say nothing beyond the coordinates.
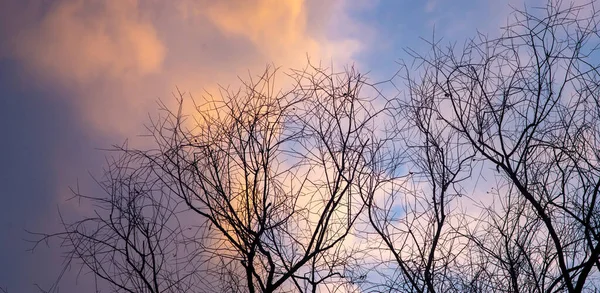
(114, 59)
(78, 42)
(111, 60)
(271, 25)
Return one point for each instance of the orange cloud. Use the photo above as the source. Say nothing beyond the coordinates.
(79, 42)
(273, 26)
(278, 30)
(111, 60)
(114, 58)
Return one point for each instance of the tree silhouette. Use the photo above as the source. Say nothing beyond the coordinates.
(520, 112)
(481, 175)
(252, 192)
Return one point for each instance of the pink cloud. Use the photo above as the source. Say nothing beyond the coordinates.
(114, 59)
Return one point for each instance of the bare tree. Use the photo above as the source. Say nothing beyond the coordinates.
(252, 192)
(523, 110)
(133, 239)
(487, 179)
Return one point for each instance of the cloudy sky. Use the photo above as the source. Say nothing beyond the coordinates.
(78, 76)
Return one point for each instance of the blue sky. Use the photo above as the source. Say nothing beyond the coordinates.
(76, 76)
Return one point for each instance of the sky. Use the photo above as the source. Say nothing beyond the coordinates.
(79, 76)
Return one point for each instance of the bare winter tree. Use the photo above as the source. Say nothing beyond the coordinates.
(487, 179)
(133, 239)
(251, 192)
(524, 111)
